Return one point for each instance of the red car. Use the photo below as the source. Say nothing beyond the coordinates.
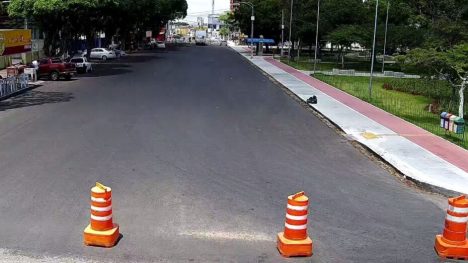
(54, 68)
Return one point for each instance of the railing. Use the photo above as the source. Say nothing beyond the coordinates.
(11, 85)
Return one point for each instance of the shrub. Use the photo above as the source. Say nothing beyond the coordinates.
(387, 86)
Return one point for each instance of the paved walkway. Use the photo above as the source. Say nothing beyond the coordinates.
(412, 150)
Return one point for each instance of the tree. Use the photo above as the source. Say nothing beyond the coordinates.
(224, 31)
(65, 20)
(228, 20)
(345, 36)
(267, 18)
(444, 22)
(451, 65)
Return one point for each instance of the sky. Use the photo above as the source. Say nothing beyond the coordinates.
(202, 8)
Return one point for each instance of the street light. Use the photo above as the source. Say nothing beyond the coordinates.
(373, 50)
(252, 19)
(282, 32)
(290, 28)
(385, 41)
(316, 35)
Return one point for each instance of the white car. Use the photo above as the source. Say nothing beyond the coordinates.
(161, 44)
(102, 54)
(82, 64)
(120, 53)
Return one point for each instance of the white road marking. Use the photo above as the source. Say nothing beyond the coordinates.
(224, 235)
(9, 256)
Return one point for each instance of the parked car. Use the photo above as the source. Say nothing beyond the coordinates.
(82, 64)
(161, 44)
(102, 54)
(119, 53)
(215, 41)
(54, 68)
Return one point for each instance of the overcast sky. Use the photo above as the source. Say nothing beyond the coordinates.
(202, 8)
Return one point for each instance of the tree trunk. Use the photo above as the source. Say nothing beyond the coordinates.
(342, 57)
(299, 47)
(47, 44)
(462, 98)
(89, 43)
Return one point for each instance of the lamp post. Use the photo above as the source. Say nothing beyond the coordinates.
(252, 19)
(316, 35)
(373, 50)
(290, 28)
(282, 32)
(385, 41)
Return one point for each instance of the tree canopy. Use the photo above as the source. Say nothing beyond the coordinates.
(63, 20)
(411, 24)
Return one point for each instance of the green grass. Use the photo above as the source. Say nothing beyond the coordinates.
(304, 63)
(412, 108)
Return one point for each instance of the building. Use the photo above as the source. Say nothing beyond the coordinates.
(200, 21)
(17, 44)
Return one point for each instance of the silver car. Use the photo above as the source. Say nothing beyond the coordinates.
(102, 54)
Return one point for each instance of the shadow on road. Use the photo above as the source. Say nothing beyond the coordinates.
(119, 66)
(102, 70)
(142, 57)
(33, 98)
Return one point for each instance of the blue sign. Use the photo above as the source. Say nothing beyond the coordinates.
(261, 40)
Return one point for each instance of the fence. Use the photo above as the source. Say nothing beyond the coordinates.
(418, 101)
(11, 85)
(352, 72)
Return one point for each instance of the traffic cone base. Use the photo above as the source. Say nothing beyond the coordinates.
(450, 251)
(106, 238)
(294, 248)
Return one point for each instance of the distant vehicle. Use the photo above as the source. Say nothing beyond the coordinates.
(119, 53)
(200, 37)
(215, 41)
(161, 38)
(101, 53)
(160, 44)
(82, 64)
(54, 68)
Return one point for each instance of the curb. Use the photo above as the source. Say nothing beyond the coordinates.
(383, 163)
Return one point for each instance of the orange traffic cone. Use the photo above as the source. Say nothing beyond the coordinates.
(452, 243)
(294, 241)
(101, 231)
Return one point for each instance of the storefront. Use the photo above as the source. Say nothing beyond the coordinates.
(15, 46)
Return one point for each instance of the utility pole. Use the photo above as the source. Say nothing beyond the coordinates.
(385, 41)
(373, 50)
(212, 20)
(252, 18)
(282, 31)
(316, 35)
(290, 28)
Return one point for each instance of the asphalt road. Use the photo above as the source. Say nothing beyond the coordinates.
(201, 151)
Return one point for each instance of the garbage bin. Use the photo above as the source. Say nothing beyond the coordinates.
(447, 121)
(459, 125)
(452, 123)
(442, 118)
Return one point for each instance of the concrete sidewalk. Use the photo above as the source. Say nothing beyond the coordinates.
(413, 151)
